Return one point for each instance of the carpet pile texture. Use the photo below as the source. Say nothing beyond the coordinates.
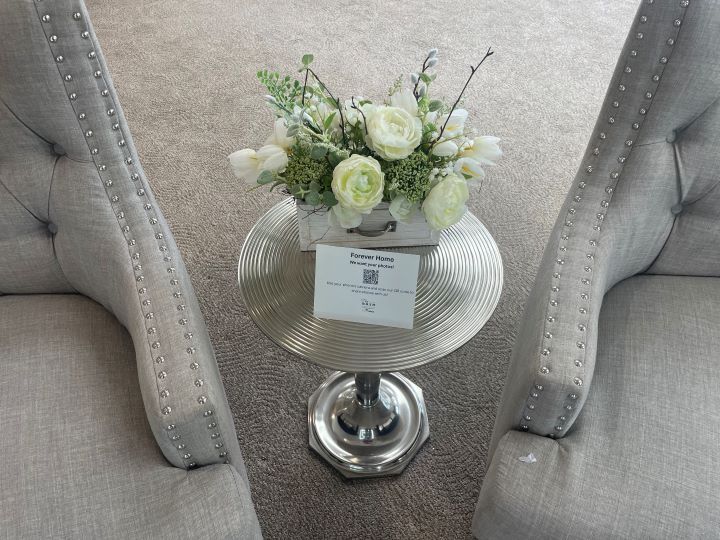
(185, 73)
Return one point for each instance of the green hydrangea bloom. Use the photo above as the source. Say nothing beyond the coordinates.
(303, 169)
(410, 176)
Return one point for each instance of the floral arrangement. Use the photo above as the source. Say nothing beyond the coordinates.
(410, 150)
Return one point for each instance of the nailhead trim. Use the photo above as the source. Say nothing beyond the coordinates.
(113, 192)
(589, 169)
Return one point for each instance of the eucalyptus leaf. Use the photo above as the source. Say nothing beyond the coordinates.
(307, 59)
(424, 77)
(328, 199)
(296, 191)
(265, 178)
(314, 186)
(318, 152)
(313, 198)
(435, 105)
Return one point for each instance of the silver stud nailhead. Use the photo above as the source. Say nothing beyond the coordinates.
(191, 350)
(554, 303)
(539, 387)
(101, 167)
(524, 427)
(174, 282)
(534, 394)
(121, 215)
(188, 335)
(555, 289)
(611, 120)
(588, 269)
(68, 77)
(94, 151)
(167, 410)
(72, 96)
(584, 296)
(628, 142)
(116, 127)
(121, 142)
(134, 177)
(677, 22)
(602, 135)
(589, 169)
(53, 38)
(211, 425)
(628, 69)
(156, 345)
(91, 55)
(577, 198)
(670, 42)
(580, 345)
(160, 360)
(81, 116)
(585, 281)
(194, 365)
(573, 396)
(622, 88)
(548, 335)
(114, 198)
(596, 152)
(663, 60)
(558, 428)
(578, 381)
(581, 327)
(569, 407)
(207, 413)
(648, 95)
(615, 104)
(187, 456)
(141, 192)
(181, 447)
(202, 400)
(685, 3)
(46, 18)
(656, 78)
(158, 236)
(633, 53)
(551, 319)
(164, 393)
(89, 133)
(104, 93)
(109, 183)
(643, 111)
(111, 112)
(128, 161)
(571, 211)
(199, 382)
(150, 315)
(162, 375)
(175, 437)
(85, 34)
(582, 185)
(544, 370)
(59, 59)
(578, 363)
(560, 261)
(583, 310)
(141, 290)
(97, 74)
(77, 16)
(153, 221)
(643, 19)
(556, 275)
(639, 35)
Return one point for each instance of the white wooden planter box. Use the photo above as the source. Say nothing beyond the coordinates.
(314, 229)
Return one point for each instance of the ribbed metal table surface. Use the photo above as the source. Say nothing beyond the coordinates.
(459, 285)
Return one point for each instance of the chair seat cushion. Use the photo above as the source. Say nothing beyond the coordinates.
(79, 459)
(642, 459)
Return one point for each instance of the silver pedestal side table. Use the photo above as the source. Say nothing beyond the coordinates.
(366, 419)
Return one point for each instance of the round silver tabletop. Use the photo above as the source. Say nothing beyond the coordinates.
(459, 286)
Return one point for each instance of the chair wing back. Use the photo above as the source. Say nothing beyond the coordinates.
(644, 199)
(77, 215)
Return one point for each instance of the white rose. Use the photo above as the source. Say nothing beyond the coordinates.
(347, 218)
(358, 183)
(404, 99)
(245, 165)
(393, 133)
(445, 204)
(279, 135)
(469, 168)
(445, 149)
(402, 209)
(484, 149)
(455, 125)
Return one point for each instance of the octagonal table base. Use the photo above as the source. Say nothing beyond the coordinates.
(367, 424)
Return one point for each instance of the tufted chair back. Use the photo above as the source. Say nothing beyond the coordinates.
(77, 215)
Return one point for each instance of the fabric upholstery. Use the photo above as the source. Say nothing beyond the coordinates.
(641, 461)
(77, 215)
(621, 214)
(79, 458)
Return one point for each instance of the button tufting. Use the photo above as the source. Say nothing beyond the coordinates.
(59, 150)
(676, 209)
(671, 136)
(52, 228)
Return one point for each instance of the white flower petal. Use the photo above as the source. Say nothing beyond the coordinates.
(347, 218)
(245, 164)
(445, 149)
(405, 99)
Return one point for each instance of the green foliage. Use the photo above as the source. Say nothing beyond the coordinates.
(285, 90)
(410, 176)
(396, 86)
(306, 172)
(307, 59)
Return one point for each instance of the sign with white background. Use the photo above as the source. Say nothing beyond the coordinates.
(365, 286)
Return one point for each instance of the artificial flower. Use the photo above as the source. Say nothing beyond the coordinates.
(485, 150)
(245, 165)
(469, 168)
(358, 183)
(347, 218)
(272, 157)
(402, 209)
(445, 149)
(445, 204)
(279, 135)
(404, 99)
(455, 124)
(392, 132)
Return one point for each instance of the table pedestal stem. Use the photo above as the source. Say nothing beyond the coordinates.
(367, 424)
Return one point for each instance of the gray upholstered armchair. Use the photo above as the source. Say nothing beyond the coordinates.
(615, 378)
(114, 418)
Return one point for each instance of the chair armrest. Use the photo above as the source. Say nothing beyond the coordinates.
(114, 246)
(612, 225)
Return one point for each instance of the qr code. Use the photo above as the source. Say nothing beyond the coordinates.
(370, 277)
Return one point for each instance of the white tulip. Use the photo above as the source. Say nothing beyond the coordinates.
(469, 168)
(245, 165)
(484, 149)
(347, 218)
(272, 157)
(455, 125)
(405, 100)
(445, 149)
(402, 209)
(279, 135)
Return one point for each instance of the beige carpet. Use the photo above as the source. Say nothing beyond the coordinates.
(184, 71)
